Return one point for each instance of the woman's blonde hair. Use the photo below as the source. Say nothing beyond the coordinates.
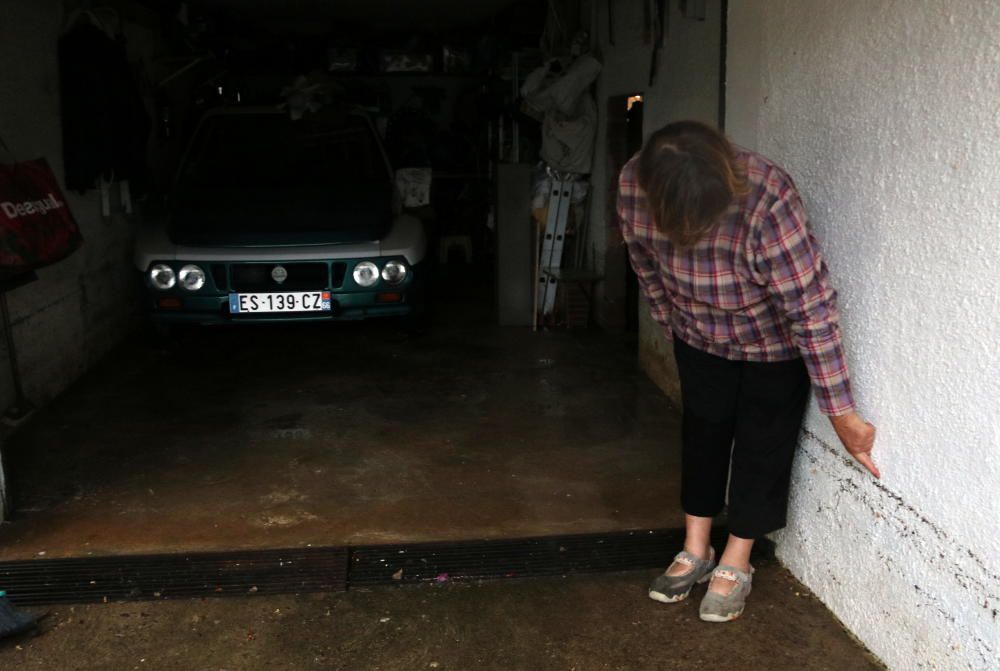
(690, 175)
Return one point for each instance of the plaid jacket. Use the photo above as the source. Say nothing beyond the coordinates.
(755, 289)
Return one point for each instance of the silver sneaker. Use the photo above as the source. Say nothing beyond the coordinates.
(717, 607)
(673, 588)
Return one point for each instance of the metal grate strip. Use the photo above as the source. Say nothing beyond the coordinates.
(514, 558)
(293, 571)
(167, 576)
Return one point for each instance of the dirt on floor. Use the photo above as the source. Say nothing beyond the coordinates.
(583, 623)
(347, 434)
(288, 435)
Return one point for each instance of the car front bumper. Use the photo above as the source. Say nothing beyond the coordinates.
(349, 302)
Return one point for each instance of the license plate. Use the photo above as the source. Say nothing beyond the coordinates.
(291, 301)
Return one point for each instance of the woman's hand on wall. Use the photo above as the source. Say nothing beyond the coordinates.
(858, 437)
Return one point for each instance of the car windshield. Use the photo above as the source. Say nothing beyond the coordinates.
(266, 150)
(264, 179)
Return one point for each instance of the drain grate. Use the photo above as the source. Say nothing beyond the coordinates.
(293, 571)
(174, 576)
(514, 558)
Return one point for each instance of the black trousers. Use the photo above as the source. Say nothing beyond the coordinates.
(741, 425)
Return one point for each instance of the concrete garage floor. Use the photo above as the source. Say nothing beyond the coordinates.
(583, 623)
(290, 435)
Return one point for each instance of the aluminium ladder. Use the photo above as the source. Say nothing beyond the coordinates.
(560, 195)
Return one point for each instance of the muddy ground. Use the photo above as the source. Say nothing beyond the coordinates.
(599, 622)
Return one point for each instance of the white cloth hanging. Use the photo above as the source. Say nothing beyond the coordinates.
(105, 19)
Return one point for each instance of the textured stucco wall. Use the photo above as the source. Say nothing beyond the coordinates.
(686, 87)
(886, 114)
(82, 306)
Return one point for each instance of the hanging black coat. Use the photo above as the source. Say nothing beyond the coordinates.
(104, 122)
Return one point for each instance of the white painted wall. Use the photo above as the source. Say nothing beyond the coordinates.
(84, 305)
(887, 114)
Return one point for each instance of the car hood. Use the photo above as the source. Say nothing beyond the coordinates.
(406, 238)
(288, 215)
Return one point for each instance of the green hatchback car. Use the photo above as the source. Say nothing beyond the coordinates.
(272, 220)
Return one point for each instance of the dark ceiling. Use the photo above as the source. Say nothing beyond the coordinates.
(389, 15)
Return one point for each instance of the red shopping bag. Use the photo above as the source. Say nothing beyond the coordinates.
(36, 226)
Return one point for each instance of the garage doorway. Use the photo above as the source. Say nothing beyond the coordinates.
(325, 431)
(624, 139)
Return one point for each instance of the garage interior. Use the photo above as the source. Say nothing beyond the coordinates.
(473, 423)
(530, 401)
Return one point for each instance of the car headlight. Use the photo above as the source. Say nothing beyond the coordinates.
(162, 276)
(394, 272)
(366, 274)
(191, 278)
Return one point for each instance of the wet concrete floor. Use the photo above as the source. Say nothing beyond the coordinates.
(291, 435)
(287, 436)
(582, 623)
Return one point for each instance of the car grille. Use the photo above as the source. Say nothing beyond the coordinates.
(257, 276)
(337, 274)
(219, 276)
